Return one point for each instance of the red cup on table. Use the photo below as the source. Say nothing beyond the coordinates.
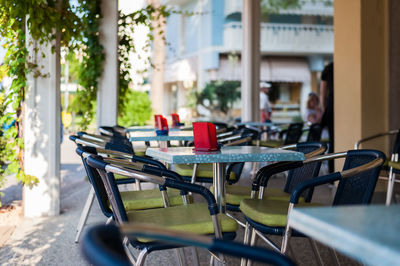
(205, 136)
(158, 121)
(175, 120)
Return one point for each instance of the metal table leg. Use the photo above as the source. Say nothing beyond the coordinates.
(219, 185)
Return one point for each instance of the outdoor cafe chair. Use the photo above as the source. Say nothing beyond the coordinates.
(116, 131)
(314, 132)
(103, 245)
(132, 199)
(291, 135)
(356, 184)
(297, 173)
(116, 143)
(198, 218)
(393, 164)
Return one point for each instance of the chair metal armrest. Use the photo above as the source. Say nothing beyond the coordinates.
(230, 138)
(114, 153)
(288, 147)
(391, 132)
(308, 155)
(238, 142)
(80, 141)
(162, 172)
(105, 132)
(93, 137)
(362, 168)
(324, 157)
(145, 160)
(202, 191)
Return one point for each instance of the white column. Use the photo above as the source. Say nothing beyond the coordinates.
(42, 133)
(251, 60)
(158, 95)
(200, 70)
(107, 95)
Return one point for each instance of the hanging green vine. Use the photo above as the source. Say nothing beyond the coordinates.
(93, 55)
(43, 20)
(91, 67)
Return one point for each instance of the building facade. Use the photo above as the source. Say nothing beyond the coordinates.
(204, 44)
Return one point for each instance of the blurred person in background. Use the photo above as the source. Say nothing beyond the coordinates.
(313, 113)
(326, 99)
(265, 105)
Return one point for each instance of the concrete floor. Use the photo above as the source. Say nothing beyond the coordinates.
(50, 241)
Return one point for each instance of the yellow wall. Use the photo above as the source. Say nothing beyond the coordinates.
(360, 69)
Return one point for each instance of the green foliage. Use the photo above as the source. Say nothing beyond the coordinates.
(46, 21)
(219, 95)
(127, 25)
(74, 67)
(91, 67)
(274, 6)
(3, 72)
(138, 109)
(93, 56)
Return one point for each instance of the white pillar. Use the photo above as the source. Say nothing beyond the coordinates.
(251, 60)
(200, 69)
(107, 95)
(42, 133)
(158, 94)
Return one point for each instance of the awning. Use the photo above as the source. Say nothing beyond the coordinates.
(271, 69)
(182, 70)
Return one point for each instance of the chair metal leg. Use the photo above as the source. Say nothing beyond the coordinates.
(252, 243)
(255, 166)
(237, 220)
(285, 240)
(195, 166)
(84, 214)
(268, 241)
(316, 251)
(127, 247)
(246, 240)
(389, 193)
(137, 185)
(253, 237)
(211, 260)
(142, 257)
(109, 220)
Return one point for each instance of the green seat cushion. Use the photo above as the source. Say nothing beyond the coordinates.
(204, 170)
(140, 152)
(192, 218)
(395, 165)
(149, 199)
(119, 177)
(268, 211)
(235, 194)
(270, 143)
